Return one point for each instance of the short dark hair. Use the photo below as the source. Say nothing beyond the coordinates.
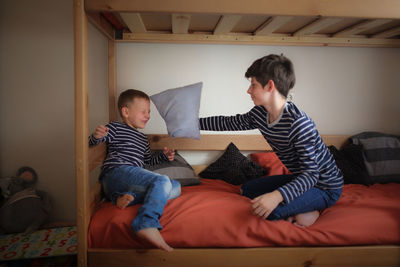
(127, 97)
(273, 67)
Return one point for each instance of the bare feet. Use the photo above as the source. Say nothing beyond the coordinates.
(124, 200)
(153, 236)
(304, 219)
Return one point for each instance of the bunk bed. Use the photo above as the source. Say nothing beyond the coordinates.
(368, 23)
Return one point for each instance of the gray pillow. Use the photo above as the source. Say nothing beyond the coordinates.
(178, 170)
(179, 107)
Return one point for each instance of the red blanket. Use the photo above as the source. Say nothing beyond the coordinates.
(214, 214)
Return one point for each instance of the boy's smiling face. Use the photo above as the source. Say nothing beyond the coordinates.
(137, 114)
(258, 93)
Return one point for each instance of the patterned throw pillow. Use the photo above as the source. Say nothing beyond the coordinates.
(233, 167)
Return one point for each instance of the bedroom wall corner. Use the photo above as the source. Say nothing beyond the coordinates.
(37, 95)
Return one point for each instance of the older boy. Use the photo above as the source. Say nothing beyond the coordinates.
(316, 182)
(124, 180)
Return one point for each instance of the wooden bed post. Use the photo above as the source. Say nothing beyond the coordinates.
(81, 128)
(112, 87)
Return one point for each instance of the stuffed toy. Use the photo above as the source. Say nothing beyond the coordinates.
(23, 209)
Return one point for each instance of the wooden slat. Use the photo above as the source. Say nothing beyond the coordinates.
(357, 256)
(335, 140)
(272, 24)
(95, 198)
(260, 40)
(360, 27)
(387, 34)
(102, 25)
(134, 22)
(316, 26)
(209, 142)
(96, 155)
(112, 82)
(337, 8)
(180, 23)
(198, 168)
(81, 128)
(226, 24)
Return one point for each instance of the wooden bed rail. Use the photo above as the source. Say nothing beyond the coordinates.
(218, 142)
(348, 256)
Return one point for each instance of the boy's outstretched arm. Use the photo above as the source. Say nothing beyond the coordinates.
(100, 132)
(98, 135)
(239, 122)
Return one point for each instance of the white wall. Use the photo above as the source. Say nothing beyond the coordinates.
(345, 90)
(37, 95)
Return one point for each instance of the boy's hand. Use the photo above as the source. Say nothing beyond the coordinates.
(100, 132)
(263, 205)
(170, 153)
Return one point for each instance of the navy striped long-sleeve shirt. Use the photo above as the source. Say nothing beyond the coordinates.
(126, 146)
(295, 140)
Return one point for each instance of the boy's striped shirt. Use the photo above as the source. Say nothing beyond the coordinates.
(295, 140)
(126, 146)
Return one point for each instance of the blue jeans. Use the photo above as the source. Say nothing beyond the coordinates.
(150, 188)
(313, 199)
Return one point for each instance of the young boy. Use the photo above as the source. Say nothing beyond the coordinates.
(315, 182)
(124, 180)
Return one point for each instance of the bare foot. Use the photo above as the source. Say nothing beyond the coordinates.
(154, 236)
(306, 219)
(124, 200)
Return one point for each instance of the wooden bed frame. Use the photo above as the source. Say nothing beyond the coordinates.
(370, 14)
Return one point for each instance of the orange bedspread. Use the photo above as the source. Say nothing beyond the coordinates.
(213, 214)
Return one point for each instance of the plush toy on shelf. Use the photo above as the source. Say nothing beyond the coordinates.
(23, 208)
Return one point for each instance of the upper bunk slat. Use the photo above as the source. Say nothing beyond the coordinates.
(260, 40)
(370, 23)
(337, 8)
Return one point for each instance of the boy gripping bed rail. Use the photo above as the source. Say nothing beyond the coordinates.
(315, 182)
(124, 180)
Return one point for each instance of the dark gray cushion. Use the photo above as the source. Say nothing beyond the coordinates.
(381, 154)
(233, 167)
(178, 170)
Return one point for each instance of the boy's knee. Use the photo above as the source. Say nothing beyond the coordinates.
(165, 182)
(176, 190)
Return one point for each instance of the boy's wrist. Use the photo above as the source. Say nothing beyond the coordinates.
(278, 196)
